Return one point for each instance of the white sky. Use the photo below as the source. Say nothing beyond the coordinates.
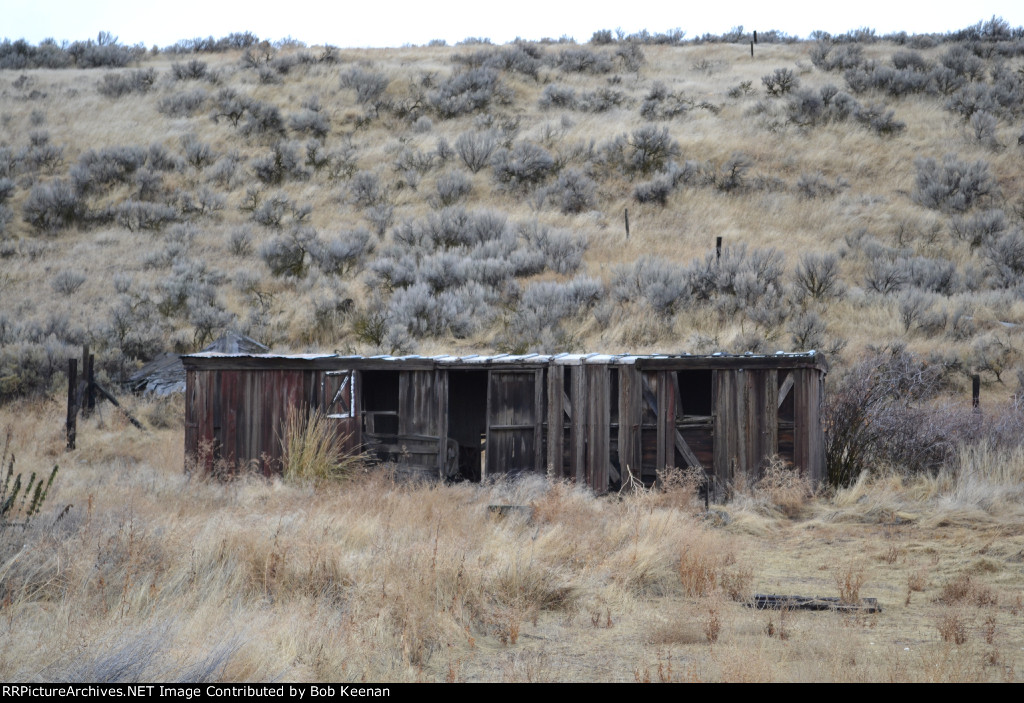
(389, 23)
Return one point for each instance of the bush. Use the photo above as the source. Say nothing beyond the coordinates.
(879, 119)
(184, 104)
(556, 95)
(476, 148)
(282, 163)
(808, 108)
(631, 56)
(807, 330)
(194, 70)
(286, 255)
(522, 167)
(646, 150)
(664, 286)
(138, 215)
(832, 57)
(520, 57)
(311, 122)
(978, 228)
(116, 85)
(67, 282)
(1005, 257)
(886, 276)
(952, 185)
(366, 189)
(198, 154)
(536, 323)
(368, 85)
(53, 206)
(813, 185)
(600, 100)
(983, 125)
(574, 191)
(230, 105)
(451, 188)
(660, 104)
(780, 81)
(562, 251)
(261, 119)
(655, 190)
(381, 217)
(583, 60)
(465, 93)
(817, 275)
(878, 415)
(341, 254)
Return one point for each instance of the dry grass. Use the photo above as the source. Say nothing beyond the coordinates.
(152, 574)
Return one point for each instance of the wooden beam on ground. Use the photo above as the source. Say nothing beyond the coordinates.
(774, 602)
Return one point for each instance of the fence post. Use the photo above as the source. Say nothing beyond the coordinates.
(718, 248)
(627, 223)
(975, 391)
(72, 404)
(90, 387)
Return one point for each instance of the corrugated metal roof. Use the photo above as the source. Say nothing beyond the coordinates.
(564, 359)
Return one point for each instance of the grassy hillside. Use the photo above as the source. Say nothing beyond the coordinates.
(448, 199)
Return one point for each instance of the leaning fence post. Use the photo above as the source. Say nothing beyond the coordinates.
(72, 405)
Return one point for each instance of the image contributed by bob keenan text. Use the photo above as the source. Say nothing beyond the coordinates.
(189, 692)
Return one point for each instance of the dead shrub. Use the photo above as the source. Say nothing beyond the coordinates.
(784, 487)
(963, 589)
(679, 488)
(952, 625)
(849, 580)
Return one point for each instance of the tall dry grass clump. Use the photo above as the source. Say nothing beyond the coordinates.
(312, 449)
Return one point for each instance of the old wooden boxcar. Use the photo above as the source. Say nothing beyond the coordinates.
(593, 418)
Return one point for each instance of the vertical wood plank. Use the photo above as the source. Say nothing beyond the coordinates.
(598, 426)
(538, 421)
(441, 399)
(630, 399)
(579, 424)
(556, 409)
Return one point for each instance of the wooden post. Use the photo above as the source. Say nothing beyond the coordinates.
(751, 49)
(84, 383)
(627, 223)
(718, 248)
(975, 391)
(90, 387)
(72, 404)
(755, 36)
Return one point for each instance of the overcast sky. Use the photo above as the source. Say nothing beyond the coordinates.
(389, 23)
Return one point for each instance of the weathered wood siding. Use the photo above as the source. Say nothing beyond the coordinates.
(580, 418)
(515, 422)
(237, 418)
